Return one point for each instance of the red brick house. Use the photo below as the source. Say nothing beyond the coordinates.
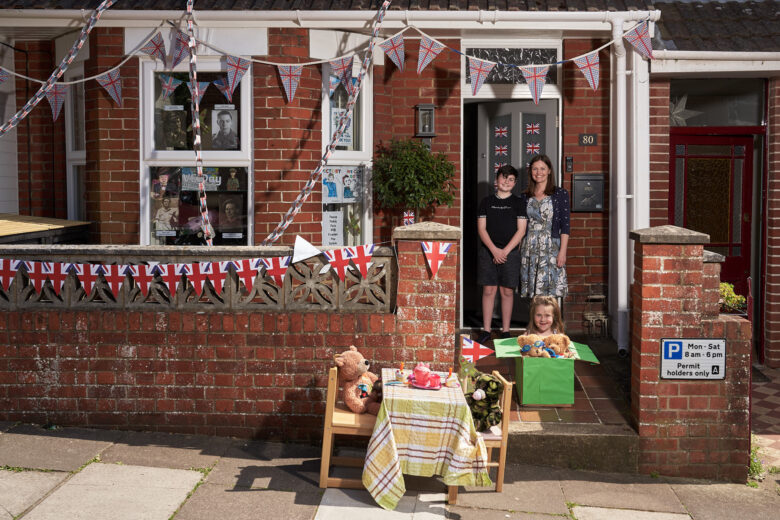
(108, 164)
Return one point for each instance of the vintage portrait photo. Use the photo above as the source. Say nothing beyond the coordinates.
(165, 183)
(230, 212)
(233, 179)
(165, 220)
(224, 125)
(171, 132)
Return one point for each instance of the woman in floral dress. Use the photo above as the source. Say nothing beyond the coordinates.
(543, 251)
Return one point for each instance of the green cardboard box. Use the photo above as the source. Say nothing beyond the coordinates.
(543, 381)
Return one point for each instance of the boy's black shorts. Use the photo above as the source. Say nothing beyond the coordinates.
(504, 275)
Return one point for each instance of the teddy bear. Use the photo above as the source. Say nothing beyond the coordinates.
(531, 345)
(357, 382)
(559, 343)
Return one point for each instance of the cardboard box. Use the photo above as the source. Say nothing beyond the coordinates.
(543, 381)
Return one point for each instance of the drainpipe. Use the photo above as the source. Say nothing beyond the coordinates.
(619, 239)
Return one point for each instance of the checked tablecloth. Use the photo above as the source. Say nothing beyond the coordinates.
(425, 433)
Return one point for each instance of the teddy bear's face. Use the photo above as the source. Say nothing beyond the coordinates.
(530, 345)
(351, 364)
(558, 342)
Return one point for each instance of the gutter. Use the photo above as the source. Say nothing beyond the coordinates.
(715, 64)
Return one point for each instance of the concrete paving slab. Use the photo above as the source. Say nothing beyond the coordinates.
(603, 513)
(532, 489)
(357, 504)
(619, 491)
(63, 449)
(166, 450)
(717, 501)
(464, 513)
(269, 465)
(21, 489)
(118, 492)
(215, 501)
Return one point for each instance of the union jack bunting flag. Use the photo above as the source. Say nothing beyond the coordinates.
(170, 277)
(339, 261)
(222, 86)
(501, 149)
(58, 275)
(199, 273)
(394, 48)
(218, 274)
(155, 47)
(181, 48)
(342, 69)
(501, 131)
(37, 273)
(114, 274)
(202, 86)
(535, 77)
(143, 276)
(4, 75)
(479, 71)
(532, 128)
(8, 270)
(88, 274)
(113, 85)
(276, 268)
(498, 165)
(247, 271)
(434, 254)
(429, 49)
(236, 68)
(589, 66)
(639, 37)
(408, 218)
(168, 84)
(533, 148)
(291, 75)
(56, 97)
(333, 82)
(473, 351)
(361, 257)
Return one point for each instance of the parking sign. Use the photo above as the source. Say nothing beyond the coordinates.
(683, 358)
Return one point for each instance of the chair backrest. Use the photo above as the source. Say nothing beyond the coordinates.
(504, 402)
(330, 397)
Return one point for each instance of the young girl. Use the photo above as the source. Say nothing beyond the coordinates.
(545, 317)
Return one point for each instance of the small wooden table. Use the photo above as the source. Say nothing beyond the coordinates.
(426, 433)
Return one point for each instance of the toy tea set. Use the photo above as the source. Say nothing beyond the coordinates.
(423, 377)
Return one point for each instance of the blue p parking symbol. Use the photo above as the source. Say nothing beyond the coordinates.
(672, 349)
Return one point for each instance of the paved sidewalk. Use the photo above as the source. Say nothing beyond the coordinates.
(76, 473)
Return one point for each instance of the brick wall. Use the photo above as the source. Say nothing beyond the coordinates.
(585, 111)
(247, 374)
(771, 316)
(41, 141)
(687, 428)
(395, 95)
(659, 152)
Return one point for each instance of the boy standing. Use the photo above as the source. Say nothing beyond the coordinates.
(501, 223)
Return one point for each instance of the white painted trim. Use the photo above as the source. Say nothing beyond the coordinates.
(366, 99)
(73, 158)
(237, 41)
(716, 67)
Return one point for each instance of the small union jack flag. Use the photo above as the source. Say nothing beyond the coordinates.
(202, 86)
(501, 149)
(501, 131)
(434, 254)
(143, 276)
(168, 84)
(535, 77)
(113, 85)
(114, 274)
(479, 71)
(8, 270)
(498, 165)
(88, 274)
(339, 261)
(342, 69)
(361, 257)
(532, 128)
(276, 268)
(236, 68)
(155, 47)
(473, 351)
(394, 48)
(222, 86)
(589, 66)
(429, 49)
(639, 37)
(37, 273)
(408, 218)
(333, 82)
(533, 148)
(58, 276)
(56, 97)
(181, 48)
(291, 75)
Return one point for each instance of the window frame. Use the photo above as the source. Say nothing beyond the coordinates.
(75, 187)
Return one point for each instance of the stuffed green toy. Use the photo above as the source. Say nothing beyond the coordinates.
(483, 392)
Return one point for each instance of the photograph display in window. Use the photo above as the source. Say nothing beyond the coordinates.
(175, 209)
(220, 128)
(342, 205)
(507, 75)
(350, 138)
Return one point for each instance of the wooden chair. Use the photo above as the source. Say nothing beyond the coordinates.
(340, 420)
(493, 440)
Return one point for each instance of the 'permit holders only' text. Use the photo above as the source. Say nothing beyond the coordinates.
(693, 358)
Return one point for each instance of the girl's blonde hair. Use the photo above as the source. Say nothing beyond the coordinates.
(539, 301)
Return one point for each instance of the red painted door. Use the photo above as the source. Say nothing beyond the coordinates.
(711, 185)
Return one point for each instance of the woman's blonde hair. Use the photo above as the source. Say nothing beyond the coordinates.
(540, 301)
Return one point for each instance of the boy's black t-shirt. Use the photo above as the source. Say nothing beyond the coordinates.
(501, 215)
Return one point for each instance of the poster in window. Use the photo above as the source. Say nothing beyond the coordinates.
(190, 180)
(332, 228)
(165, 183)
(233, 179)
(346, 137)
(230, 213)
(166, 217)
(351, 183)
(332, 187)
(173, 119)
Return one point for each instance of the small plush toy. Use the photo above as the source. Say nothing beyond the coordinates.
(357, 382)
(559, 343)
(531, 345)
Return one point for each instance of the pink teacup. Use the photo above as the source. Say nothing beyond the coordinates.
(434, 380)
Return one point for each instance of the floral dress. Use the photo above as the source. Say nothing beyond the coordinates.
(539, 272)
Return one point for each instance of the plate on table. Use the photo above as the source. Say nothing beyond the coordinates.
(426, 386)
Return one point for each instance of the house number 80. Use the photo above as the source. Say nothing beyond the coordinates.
(588, 140)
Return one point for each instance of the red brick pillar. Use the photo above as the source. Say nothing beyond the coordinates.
(771, 311)
(689, 428)
(426, 311)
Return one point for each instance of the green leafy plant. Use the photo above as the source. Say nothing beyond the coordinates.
(756, 465)
(407, 175)
(729, 300)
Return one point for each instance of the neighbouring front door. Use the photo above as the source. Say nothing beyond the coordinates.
(496, 133)
(711, 192)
